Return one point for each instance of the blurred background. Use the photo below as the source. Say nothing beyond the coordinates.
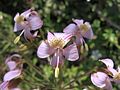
(104, 17)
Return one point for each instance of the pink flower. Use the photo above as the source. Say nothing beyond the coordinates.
(110, 67)
(79, 29)
(101, 80)
(15, 66)
(55, 46)
(27, 21)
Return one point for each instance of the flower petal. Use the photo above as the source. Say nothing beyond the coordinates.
(16, 89)
(89, 33)
(35, 21)
(108, 62)
(54, 60)
(12, 74)
(26, 13)
(78, 21)
(71, 29)
(4, 85)
(71, 52)
(11, 65)
(44, 50)
(18, 27)
(99, 79)
(28, 34)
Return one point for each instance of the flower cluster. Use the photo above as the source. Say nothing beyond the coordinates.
(57, 46)
(12, 78)
(104, 79)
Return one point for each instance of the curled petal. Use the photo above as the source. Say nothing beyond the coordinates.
(26, 13)
(99, 79)
(108, 62)
(35, 21)
(71, 29)
(12, 74)
(11, 65)
(89, 33)
(71, 52)
(44, 50)
(78, 21)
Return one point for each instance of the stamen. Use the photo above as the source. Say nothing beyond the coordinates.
(57, 67)
(17, 39)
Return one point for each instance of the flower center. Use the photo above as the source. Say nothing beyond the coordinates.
(57, 43)
(20, 19)
(117, 76)
(84, 28)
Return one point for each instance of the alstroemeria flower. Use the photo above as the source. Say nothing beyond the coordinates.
(110, 67)
(101, 80)
(55, 46)
(27, 21)
(79, 29)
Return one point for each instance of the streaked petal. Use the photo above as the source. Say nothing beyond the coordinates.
(108, 62)
(50, 36)
(71, 52)
(63, 36)
(54, 61)
(79, 40)
(12, 74)
(4, 85)
(99, 79)
(71, 29)
(44, 50)
(28, 34)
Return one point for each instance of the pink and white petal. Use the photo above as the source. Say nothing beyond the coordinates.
(88, 34)
(108, 85)
(112, 70)
(50, 36)
(16, 16)
(28, 34)
(44, 50)
(35, 22)
(79, 40)
(71, 29)
(11, 65)
(18, 27)
(26, 13)
(108, 62)
(78, 21)
(4, 85)
(64, 36)
(99, 79)
(118, 69)
(12, 74)
(54, 61)
(71, 52)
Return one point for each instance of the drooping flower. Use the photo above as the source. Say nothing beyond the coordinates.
(110, 67)
(101, 80)
(80, 30)
(26, 22)
(11, 77)
(55, 46)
